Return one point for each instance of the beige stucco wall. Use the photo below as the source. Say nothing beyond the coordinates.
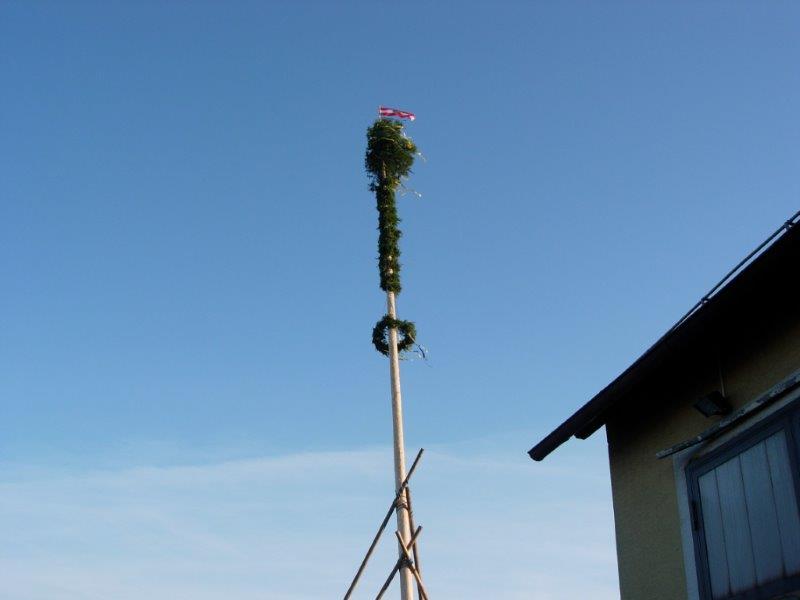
(649, 549)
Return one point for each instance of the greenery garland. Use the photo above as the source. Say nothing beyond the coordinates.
(390, 155)
(406, 329)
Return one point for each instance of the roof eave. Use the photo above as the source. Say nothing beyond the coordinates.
(593, 415)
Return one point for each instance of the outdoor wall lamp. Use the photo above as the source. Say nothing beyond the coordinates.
(713, 404)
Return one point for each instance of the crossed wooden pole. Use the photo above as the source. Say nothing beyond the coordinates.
(407, 548)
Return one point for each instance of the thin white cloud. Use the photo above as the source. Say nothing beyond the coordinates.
(295, 527)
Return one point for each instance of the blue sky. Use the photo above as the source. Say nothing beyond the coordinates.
(187, 245)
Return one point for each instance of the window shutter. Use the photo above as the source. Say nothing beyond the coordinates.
(750, 518)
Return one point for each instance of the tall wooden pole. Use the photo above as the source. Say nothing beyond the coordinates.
(388, 147)
(403, 521)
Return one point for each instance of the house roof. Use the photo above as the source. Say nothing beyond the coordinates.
(770, 266)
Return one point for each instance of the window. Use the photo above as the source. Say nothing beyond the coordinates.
(745, 517)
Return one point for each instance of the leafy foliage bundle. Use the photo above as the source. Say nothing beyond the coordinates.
(389, 158)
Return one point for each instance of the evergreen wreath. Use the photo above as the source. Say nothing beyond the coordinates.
(390, 155)
(406, 330)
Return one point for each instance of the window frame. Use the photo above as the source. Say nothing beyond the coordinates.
(786, 419)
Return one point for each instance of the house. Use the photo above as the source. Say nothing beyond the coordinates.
(703, 435)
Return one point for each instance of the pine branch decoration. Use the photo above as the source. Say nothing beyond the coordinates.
(389, 158)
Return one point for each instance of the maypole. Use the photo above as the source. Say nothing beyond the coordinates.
(390, 155)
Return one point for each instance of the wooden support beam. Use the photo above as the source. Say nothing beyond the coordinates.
(383, 525)
(398, 564)
(420, 586)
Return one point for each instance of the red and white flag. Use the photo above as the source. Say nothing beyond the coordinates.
(385, 111)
